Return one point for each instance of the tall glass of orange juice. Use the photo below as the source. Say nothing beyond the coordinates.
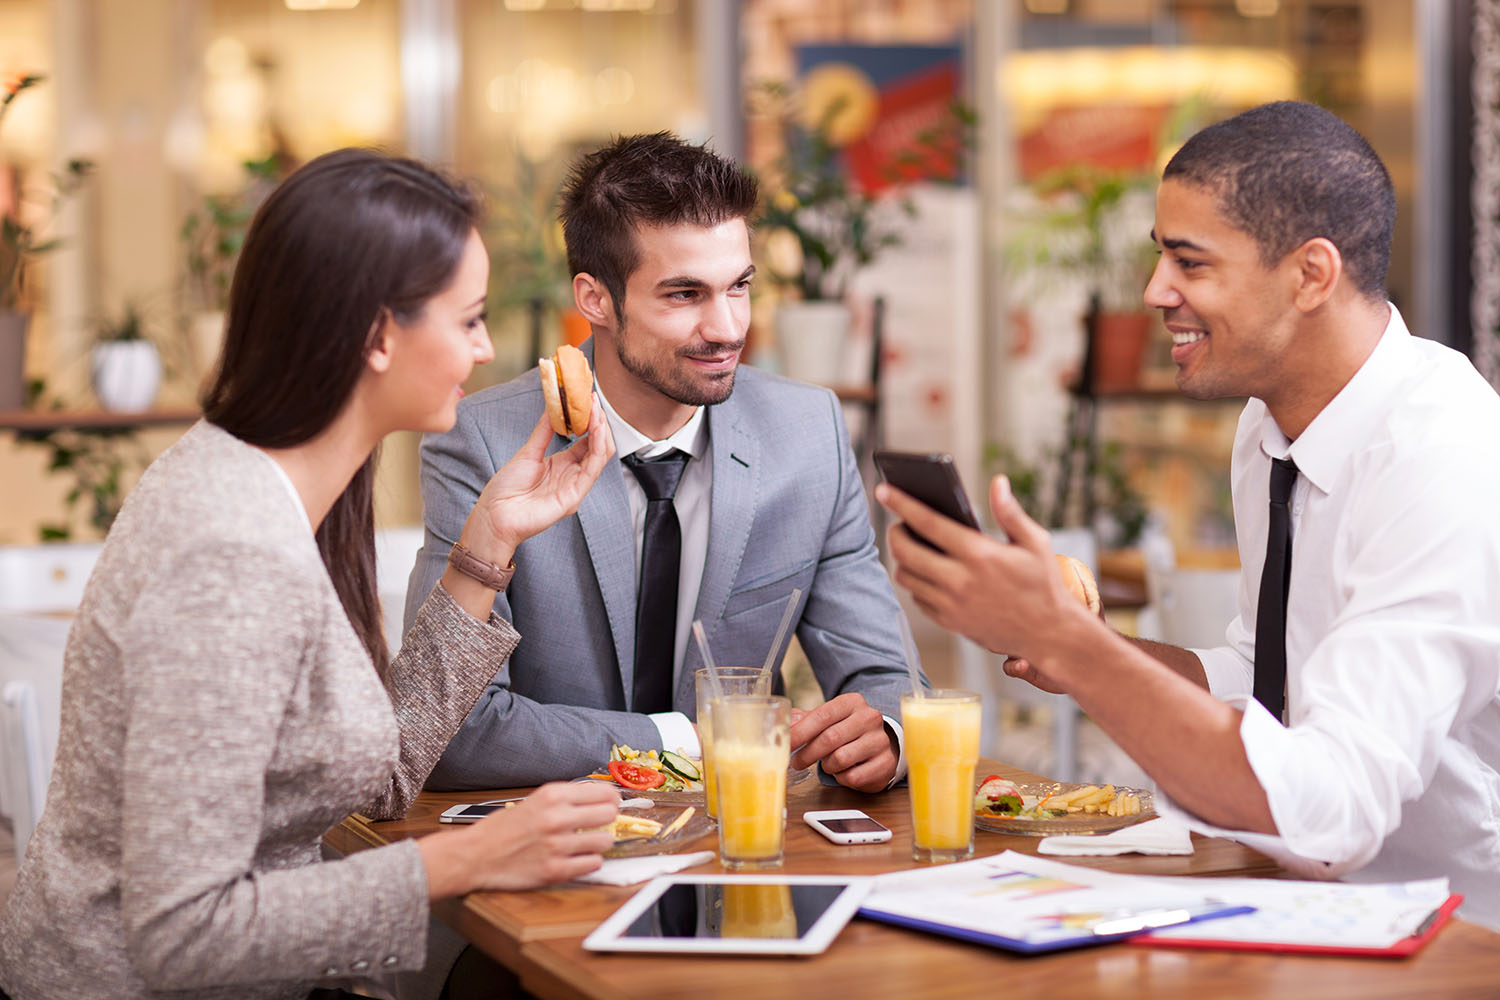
(751, 748)
(942, 750)
(732, 681)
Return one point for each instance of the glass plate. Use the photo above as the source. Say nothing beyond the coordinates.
(689, 796)
(698, 825)
(1078, 822)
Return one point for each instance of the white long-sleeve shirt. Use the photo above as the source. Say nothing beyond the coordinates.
(1389, 765)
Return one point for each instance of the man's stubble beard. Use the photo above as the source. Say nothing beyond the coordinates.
(668, 382)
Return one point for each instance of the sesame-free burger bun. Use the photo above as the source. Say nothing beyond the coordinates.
(1080, 582)
(568, 389)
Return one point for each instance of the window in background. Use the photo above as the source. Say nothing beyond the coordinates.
(542, 82)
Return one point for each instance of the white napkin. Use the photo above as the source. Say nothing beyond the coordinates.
(629, 871)
(1155, 836)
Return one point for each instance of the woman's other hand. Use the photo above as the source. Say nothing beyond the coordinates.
(557, 833)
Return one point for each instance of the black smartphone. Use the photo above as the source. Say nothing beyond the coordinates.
(932, 478)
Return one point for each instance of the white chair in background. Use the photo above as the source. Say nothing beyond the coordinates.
(40, 585)
(1188, 607)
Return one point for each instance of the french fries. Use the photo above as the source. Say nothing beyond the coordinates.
(1093, 799)
(628, 827)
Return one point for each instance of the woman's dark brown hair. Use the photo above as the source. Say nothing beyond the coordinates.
(349, 236)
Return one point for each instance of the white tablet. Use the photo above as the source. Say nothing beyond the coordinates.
(734, 914)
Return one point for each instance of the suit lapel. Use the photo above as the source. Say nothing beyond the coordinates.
(732, 512)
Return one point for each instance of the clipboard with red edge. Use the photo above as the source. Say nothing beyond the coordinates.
(1409, 945)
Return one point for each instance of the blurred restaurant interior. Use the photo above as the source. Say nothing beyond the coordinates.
(999, 157)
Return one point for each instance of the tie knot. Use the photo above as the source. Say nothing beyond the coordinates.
(1283, 477)
(658, 476)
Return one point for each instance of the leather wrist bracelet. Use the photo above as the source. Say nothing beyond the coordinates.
(487, 573)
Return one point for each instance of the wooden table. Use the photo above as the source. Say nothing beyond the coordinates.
(539, 934)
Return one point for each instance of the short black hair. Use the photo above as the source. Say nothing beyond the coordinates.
(1288, 172)
(644, 180)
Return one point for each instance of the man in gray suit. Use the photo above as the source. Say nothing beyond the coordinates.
(769, 499)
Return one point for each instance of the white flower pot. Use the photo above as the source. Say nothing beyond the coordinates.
(813, 337)
(127, 374)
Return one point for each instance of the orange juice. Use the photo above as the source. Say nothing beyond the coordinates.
(732, 680)
(752, 802)
(751, 749)
(942, 750)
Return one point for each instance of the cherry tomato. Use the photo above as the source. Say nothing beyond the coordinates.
(634, 776)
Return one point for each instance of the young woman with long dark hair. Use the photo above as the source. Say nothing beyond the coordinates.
(227, 693)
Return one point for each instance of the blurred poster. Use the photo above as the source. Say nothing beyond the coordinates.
(887, 96)
(1113, 136)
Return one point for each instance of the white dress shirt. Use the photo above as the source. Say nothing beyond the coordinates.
(1389, 766)
(692, 501)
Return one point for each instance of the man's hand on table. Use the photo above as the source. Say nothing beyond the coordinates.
(849, 739)
(553, 835)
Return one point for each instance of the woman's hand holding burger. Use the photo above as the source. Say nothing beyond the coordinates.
(532, 492)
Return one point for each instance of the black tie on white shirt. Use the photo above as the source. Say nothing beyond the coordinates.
(1275, 577)
(656, 595)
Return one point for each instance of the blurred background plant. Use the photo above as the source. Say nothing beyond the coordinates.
(1119, 511)
(1083, 228)
(213, 232)
(20, 238)
(530, 288)
(819, 224)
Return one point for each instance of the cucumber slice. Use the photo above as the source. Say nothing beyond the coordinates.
(679, 764)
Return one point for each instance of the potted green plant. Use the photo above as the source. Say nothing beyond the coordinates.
(820, 226)
(528, 265)
(212, 234)
(21, 242)
(1086, 230)
(126, 365)
(1109, 507)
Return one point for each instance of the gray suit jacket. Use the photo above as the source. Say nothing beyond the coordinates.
(787, 510)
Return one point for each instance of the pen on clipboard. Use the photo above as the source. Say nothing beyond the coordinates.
(1150, 920)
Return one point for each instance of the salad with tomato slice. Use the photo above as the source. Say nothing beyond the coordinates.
(645, 770)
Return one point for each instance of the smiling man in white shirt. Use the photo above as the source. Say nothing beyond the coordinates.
(1275, 230)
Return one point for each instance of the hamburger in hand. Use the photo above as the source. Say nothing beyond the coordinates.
(1080, 582)
(568, 389)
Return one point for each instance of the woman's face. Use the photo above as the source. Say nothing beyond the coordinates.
(429, 360)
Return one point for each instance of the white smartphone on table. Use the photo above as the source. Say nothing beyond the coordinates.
(847, 826)
(473, 812)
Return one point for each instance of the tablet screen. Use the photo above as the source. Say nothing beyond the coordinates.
(775, 914)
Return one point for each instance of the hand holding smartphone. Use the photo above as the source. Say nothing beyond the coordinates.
(847, 826)
(932, 478)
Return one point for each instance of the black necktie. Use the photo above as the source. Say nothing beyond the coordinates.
(1270, 611)
(656, 596)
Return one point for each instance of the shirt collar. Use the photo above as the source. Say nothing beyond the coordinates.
(691, 437)
(1323, 447)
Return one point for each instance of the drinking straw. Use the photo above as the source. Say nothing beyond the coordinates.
(910, 646)
(716, 690)
(786, 623)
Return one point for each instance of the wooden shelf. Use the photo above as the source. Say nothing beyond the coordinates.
(43, 421)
